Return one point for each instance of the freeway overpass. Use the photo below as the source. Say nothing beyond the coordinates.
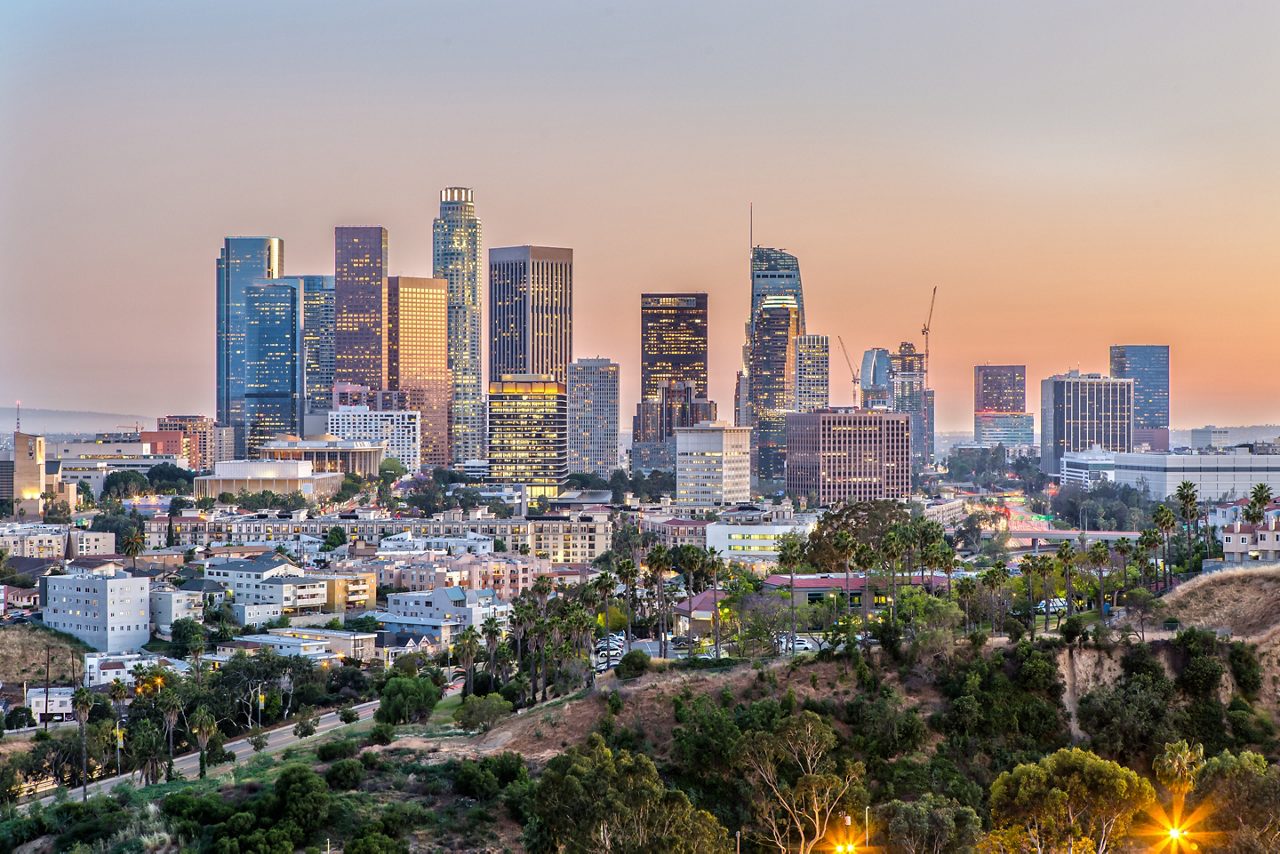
(1071, 535)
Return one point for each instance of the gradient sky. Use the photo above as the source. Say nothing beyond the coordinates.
(1070, 175)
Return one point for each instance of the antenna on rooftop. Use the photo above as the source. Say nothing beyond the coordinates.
(18, 425)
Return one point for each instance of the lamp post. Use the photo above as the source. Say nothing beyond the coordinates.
(119, 744)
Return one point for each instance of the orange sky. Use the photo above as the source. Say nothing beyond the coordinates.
(1069, 175)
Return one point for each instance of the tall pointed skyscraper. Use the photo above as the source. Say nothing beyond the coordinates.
(775, 272)
(456, 236)
(243, 261)
(767, 385)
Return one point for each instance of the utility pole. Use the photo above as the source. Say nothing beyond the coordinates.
(48, 652)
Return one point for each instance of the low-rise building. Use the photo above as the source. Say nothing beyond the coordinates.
(819, 586)
(279, 476)
(348, 589)
(109, 612)
(1086, 468)
(1244, 543)
(253, 615)
(507, 575)
(328, 454)
(51, 704)
(442, 613)
(673, 532)
(170, 603)
(103, 668)
(754, 542)
(357, 646)
(1218, 475)
(317, 651)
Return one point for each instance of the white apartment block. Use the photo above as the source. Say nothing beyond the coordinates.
(400, 429)
(36, 539)
(755, 543)
(713, 465)
(59, 706)
(269, 580)
(357, 646)
(168, 604)
(507, 575)
(110, 613)
(442, 613)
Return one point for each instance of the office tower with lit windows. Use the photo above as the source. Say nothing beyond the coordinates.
(275, 376)
(593, 416)
(528, 433)
(1000, 414)
(1079, 411)
(775, 272)
(813, 373)
(530, 311)
(653, 429)
(317, 338)
(200, 437)
(874, 385)
(456, 234)
(673, 342)
(908, 393)
(772, 372)
(360, 306)
(849, 455)
(418, 357)
(713, 465)
(1148, 366)
(242, 262)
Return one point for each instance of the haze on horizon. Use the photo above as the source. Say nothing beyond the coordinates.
(1070, 175)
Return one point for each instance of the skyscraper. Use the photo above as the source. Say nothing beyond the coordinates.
(360, 305)
(999, 406)
(1078, 411)
(653, 430)
(317, 339)
(773, 381)
(243, 261)
(908, 394)
(813, 373)
(838, 455)
(775, 272)
(528, 433)
(275, 383)
(530, 311)
(673, 342)
(418, 357)
(457, 235)
(1148, 366)
(713, 465)
(593, 416)
(877, 393)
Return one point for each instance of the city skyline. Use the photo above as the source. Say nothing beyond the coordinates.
(971, 181)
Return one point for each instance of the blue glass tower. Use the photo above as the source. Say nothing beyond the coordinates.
(1148, 366)
(775, 273)
(243, 261)
(275, 364)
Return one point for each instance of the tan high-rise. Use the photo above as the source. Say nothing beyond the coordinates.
(418, 357)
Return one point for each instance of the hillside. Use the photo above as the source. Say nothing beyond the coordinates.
(22, 657)
(1246, 601)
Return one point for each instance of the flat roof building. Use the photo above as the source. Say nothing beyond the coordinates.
(840, 455)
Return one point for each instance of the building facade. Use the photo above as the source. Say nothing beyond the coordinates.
(1148, 366)
(1079, 411)
(528, 433)
(673, 342)
(777, 324)
(873, 385)
(1223, 475)
(713, 465)
(317, 339)
(418, 358)
(908, 384)
(360, 306)
(329, 454)
(593, 416)
(235, 476)
(242, 262)
(275, 371)
(849, 455)
(1210, 437)
(201, 437)
(110, 613)
(813, 373)
(399, 431)
(530, 311)
(456, 242)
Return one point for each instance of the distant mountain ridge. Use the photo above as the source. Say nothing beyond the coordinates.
(48, 421)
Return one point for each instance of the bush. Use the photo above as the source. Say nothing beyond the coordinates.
(1073, 629)
(481, 713)
(1201, 677)
(343, 748)
(382, 734)
(633, 664)
(1245, 669)
(375, 843)
(978, 640)
(345, 774)
(348, 715)
(614, 702)
(1014, 629)
(473, 780)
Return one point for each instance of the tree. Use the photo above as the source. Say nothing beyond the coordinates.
(124, 484)
(146, 751)
(82, 704)
(301, 796)
(931, 825)
(798, 787)
(203, 727)
(791, 549)
(185, 635)
(1177, 766)
(1165, 523)
(169, 702)
(481, 713)
(1069, 799)
(1250, 791)
(1098, 557)
(467, 649)
(1141, 604)
(132, 546)
(406, 699)
(305, 725)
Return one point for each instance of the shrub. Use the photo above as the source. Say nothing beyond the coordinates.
(481, 713)
(475, 781)
(348, 715)
(1245, 669)
(375, 843)
(345, 774)
(633, 664)
(978, 640)
(1073, 629)
(1014, 629)
(614, 702)
(341, 749)
(1201, 677)
(382, 734)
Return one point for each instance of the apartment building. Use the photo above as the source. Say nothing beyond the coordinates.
(109, 612)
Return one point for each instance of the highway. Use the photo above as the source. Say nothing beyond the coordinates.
(188, 764)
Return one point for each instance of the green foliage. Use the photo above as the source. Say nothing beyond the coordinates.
(348, 715)
(1073, 629)
(633, 664)
(382, 733)
(1246, 670)
(931, 823)
(343, 748)
(406, 699)
(481, 713)
(374, 842)
(345, 774)
(301, 796)
(187, 635)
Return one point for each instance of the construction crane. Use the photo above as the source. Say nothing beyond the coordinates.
(853, 373)
(925, 332)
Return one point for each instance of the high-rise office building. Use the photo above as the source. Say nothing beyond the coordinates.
(1000, 414)
(908, 394)
(317, 339)
(275, 381)
(653, 430)
(876, 390)
(813, 373)
(242, 262)
(1079, 411)
(457, 235)
(360, 306)
(713, 465)
(849, 455)
(593, 416)
(530, 311)
(673, 342)
(1148, 366)
(773, 381)
(528, 433)
(775, 272)
(418, 357)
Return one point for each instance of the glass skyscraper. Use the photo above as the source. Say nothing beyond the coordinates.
(593, 416)
(274, 362)
(317, 339)
(673, 342)
(773, 381)
(530, 311)
(999, 406)
(1148, 366)
(874, 379)
(360, 306)
(813, 373)
(528, 433)
(456, 234)
(1078, 411)
(418, 357)
(775, 273)
(243, 261)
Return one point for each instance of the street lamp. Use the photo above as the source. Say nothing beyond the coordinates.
(119, 744)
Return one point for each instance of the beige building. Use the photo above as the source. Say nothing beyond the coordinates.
(358, 646)
(352, 589)
(713, 465)
(279, 476)
(205, 441)
(839, 455)
(328, 454)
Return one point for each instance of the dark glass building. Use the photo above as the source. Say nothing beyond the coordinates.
(773, 381)
(1148, 366)
(530, 311)
(242, 262)
(1000, 388)
(1078, 411)
(275, 383)
(360, 306)
(673, 342)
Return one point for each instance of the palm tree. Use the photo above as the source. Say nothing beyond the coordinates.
(864, 557)
(118, 692)
(628, 575)
(1066, 561)
(467, 649)
(1032, 566)
(1148, 543)
(790, 553)
(523, 613)
(1165, 523)
(1123, 548)
(82, 704)
(1098, 558)
(893, 545)
(659, 561)
(1188, 508)
(966, 591)
(491, 631)
(203, 726)
(1177, 766)
(146, 750)
(604, 585)
(170, 705)
(132, 544)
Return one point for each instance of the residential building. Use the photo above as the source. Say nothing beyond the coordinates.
(1210, 438)
(592, 414)
(51, 704)
(813, 373)
(508, 575)
(1225, 474)
(243, 262)
(530, 312)
(673, 343)
(399, 431)
(1078, 411)
(169, 603)
(275, 371)
(443, 613)
(360, 306)
(251, 615)
(109, 612)
(528, 433)
(713, 465)
(318, 296)
(674, 531)
(103, 668)
(201, 437)
(352, 646)
(1243, 542)
(1000, 414)
(269, 580)
(39, 540)
(818, 587)
(418, 359)
(317, 650)
(755, 542)
(331, 454)
(848, 455)
(456, 243)
(279, 476)
(775, 327)
(1087, 468)
(354, 588)
(1148, 366)
(166, 442)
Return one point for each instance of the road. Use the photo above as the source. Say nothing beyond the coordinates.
(188, 764)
